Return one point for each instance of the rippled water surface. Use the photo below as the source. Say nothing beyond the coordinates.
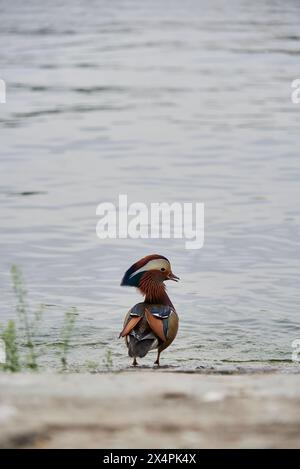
(163, 101)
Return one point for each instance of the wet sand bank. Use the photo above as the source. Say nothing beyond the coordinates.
(149, 409)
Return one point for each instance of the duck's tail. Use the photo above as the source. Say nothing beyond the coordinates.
(140, 345)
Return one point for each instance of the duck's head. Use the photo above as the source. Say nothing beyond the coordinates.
(154, 268)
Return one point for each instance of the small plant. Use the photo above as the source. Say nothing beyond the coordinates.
(27, 326)
(66, 334)
(92, 366)
(23, 333)
(107, 360)
(9, 337)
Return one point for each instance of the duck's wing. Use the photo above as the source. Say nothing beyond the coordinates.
(131, 323)
(171, 326)
(155, 324)
(132, 318)
(163, 321)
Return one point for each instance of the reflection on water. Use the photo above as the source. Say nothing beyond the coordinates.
(182, 101)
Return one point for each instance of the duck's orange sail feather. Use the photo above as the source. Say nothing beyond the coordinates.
(155, 324)
(130, 325)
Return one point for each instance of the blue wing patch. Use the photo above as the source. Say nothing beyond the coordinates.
(161, 311)
(138, 309)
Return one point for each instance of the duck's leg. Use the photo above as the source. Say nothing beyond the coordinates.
(157, 359)
(134, 363)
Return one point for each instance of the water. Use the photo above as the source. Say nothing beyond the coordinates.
(163, 101)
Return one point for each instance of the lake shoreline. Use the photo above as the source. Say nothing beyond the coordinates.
(150, 408)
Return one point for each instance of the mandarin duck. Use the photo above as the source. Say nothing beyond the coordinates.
(152, 324)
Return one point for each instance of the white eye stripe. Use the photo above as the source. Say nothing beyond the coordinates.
(154, 264)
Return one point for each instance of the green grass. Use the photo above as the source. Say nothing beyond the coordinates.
(92, 366)
(108, 360)
(9, 337)
(66, 335)
(26, 326)
(20, 335)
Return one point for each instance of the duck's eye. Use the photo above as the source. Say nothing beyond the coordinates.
(162, 269)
